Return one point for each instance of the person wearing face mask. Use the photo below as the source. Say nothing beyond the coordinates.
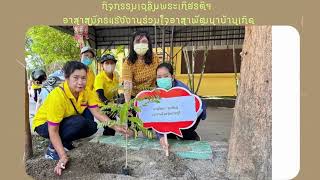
(87, 55)
(138, 69)
(106, 85)
(166, 80)
(63, 117)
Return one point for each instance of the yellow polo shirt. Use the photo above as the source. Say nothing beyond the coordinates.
(36, 86)
(90, 79)
(109, 86)
(57, 106)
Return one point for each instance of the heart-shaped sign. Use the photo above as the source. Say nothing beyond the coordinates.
(177, 109)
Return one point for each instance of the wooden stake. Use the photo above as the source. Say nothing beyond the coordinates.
(166, 140)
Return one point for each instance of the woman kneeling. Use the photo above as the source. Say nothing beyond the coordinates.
(68, 114)
(166, 80)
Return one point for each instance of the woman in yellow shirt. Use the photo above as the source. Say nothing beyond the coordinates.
(87, 54)
(106, 82)
(106, 86)
(138, 70)
(65, 116)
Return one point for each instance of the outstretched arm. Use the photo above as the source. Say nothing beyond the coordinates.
(57, 144)
(127, 90)
(104, 119)
(101, 96)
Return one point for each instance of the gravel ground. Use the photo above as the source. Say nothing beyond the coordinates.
(101, 161)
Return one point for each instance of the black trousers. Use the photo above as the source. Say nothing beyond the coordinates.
(107, 130)
(72, 128)
(188, 134)
(36, 92)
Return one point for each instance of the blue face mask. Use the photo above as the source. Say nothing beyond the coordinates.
(165, 83)
(86, 61)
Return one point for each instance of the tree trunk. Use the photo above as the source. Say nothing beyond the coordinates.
(28, 140)
(250, 141)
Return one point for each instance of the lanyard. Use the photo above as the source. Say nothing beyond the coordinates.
(69, 99)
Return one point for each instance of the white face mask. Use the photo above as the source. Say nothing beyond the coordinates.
(110, 68)
(141, 48)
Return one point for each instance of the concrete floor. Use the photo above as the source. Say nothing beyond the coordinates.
(216, 127)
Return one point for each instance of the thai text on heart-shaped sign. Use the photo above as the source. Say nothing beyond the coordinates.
(177, 109)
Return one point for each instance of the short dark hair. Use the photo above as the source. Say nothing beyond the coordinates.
(133, 55)
(165, 65)
(70, 66)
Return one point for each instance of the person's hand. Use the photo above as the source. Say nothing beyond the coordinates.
(164, 144)
(123, 130)
(130, 132)
(61, 165)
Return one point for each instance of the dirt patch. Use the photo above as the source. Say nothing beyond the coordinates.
(101, 161)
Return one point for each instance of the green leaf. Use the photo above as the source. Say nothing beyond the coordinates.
(50, 45)
(137, 109)
(124, 114)
(136, 120)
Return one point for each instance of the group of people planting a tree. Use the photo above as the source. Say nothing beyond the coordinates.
(68, 111)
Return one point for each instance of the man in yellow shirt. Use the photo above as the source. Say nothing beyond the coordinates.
(106, 85)
(87, 55)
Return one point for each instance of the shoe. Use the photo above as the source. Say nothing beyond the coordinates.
(197, 137)
(51, 154)
(192, 136)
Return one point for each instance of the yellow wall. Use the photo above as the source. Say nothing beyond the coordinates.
(212, 84)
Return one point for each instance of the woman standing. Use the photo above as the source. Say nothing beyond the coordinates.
(138, 69)
(87, 55)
